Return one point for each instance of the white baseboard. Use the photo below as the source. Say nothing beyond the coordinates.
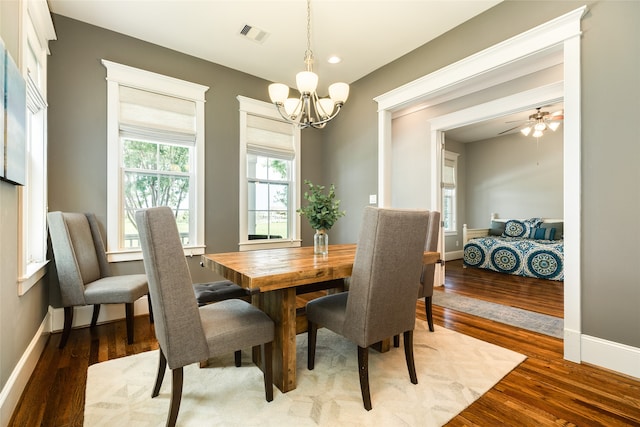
(53, 321)
(12, 390)
(611, 355)
(450, 256)
(108, 313)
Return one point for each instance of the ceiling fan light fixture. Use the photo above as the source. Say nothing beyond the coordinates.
(300, 111)
(539, 123)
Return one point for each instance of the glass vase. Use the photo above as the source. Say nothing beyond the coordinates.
(321, 242)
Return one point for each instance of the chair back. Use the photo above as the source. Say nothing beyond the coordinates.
(428, 271)
(175, 311)
(384, 282)
(78, 252)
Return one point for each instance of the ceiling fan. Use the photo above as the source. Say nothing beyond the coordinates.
(539, 122)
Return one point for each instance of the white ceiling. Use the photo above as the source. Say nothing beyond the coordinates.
(506, 125)
(366, 34)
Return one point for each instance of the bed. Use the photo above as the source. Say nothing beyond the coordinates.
(525, 247)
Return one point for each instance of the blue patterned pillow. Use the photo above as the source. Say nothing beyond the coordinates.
(539, 233)
(515, 228)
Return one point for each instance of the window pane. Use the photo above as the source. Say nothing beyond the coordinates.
(278, 194)
(140, 155)
(145, 190)
(278, 170)
(257, 166)
(267, 197)
(173, 158)
(279, 228)
(258, 196)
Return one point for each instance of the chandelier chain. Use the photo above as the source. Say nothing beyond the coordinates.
(308, 54)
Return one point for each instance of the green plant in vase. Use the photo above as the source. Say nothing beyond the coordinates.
(322, 212)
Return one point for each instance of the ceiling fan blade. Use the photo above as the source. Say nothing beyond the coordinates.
(509, 130)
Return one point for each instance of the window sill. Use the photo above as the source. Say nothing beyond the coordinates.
(253, 245)
(34, 273)
(136, 254)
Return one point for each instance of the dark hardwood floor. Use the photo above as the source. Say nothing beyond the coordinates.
(545, 390)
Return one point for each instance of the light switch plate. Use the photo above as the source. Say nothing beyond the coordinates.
(373, 199)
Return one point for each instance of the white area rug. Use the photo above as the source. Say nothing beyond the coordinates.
(453, 371)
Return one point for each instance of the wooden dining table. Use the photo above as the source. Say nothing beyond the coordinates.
(274, 276)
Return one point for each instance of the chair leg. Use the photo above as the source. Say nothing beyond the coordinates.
(237, 355)
(363, 368)
(66, 330)
(312, 332)
(267, 367)
(396, 341)
(128, 308)
(408, 354)
(162, 367)
(96, 313)
(150, 309)
(428, 306)
(176, 396)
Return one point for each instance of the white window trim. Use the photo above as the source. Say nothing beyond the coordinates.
(264, 109)
(450, 155)
(118, 74)
(37, 31)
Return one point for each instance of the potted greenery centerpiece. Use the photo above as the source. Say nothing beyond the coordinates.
(322, 211)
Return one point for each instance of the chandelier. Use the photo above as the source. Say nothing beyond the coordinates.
(309, 110)
(542, 121)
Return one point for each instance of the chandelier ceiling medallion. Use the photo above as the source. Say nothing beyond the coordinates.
(309, 110)
(542, 121)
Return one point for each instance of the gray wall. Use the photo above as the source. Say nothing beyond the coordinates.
(77, 130)
(514, 176)
(610, 175)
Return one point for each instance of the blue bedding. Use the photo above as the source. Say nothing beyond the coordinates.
(543, 259)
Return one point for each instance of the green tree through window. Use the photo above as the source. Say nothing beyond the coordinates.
(155, 174)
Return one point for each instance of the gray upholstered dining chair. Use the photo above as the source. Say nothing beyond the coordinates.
(381, 301)
(187, 333)
(428, 271)
(427, 277)
(83, 271)
(220, 290)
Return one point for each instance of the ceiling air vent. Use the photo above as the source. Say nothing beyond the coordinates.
(253, 33)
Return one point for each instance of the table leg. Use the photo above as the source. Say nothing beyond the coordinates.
(280, 305)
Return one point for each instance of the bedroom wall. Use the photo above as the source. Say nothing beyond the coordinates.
(514, 176)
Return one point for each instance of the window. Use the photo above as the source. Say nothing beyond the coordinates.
(449, 198)
(155, 156)
(33, 195)
(269, 177)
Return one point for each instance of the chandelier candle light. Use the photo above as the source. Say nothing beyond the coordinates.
(309, 110)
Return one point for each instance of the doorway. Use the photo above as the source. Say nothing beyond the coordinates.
(521, 55)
